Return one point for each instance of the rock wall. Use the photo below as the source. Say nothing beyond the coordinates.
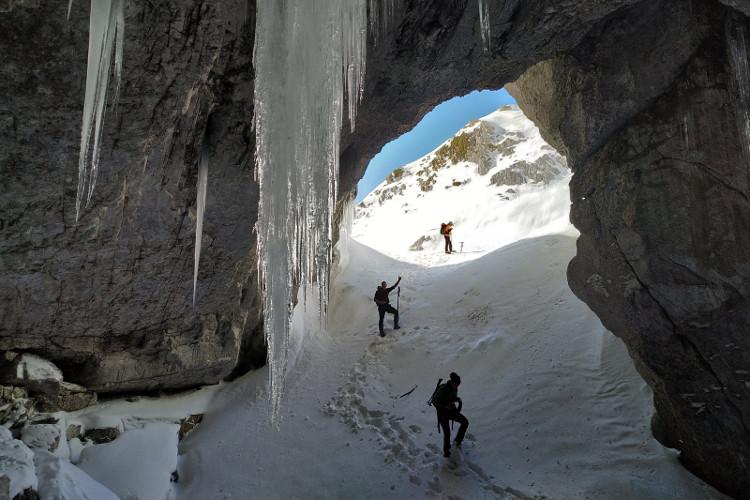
(110, 299)
(661, 194)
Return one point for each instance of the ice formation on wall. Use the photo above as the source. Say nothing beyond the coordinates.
(484, 23)
(736, 35)
(200, 210)
(341, 252)
(382, 14)
(308, 55)
(106, 30)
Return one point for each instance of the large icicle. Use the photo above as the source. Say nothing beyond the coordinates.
(484, 23)
(106, 28)
(308, 54)
(200, 210)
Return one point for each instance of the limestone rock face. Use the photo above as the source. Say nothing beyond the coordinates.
(661, 195)
(109, 299)
(544, 169)
(16, 408)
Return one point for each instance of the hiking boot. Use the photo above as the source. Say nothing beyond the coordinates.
(446, 453)
(396, 327)
(457, 444)
(382, 334)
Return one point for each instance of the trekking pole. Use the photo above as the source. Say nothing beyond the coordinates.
(398, 298)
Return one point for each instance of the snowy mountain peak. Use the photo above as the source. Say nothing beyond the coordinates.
(496, 179)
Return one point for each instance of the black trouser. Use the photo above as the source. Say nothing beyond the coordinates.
(387, 308)
(445, 415)
(448, 244)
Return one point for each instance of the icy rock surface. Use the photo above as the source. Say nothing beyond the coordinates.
(60, 480)
(31, 367)
(16, 463)
(736, 37)
(42, 436)
(308, 56)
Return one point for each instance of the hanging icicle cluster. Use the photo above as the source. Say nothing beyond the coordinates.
(308, 54)
(106, 32)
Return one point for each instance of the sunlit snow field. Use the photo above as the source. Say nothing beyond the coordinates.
(486, 216)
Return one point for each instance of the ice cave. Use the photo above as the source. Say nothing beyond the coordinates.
(187, 268)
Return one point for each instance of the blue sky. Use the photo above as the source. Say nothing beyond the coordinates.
(438, 125)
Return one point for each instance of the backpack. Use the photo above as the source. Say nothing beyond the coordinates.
(429, 401)
(437, 386)
(442, 228)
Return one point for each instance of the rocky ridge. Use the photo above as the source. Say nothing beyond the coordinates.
(485, 170)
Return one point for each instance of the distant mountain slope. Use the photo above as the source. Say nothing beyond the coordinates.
(496, 179)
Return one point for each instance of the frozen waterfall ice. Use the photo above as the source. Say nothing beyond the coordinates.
(200, 210)
(309, 54)
(106, 29)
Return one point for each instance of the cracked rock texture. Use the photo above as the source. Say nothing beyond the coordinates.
(109, 300)
(640, 95)
(661, 195)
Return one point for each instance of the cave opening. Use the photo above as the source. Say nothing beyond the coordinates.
(475, 162)
(498, 311)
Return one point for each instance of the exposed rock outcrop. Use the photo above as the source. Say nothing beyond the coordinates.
(43, 381)
(661, 195)
(16, 408)
(109, 299)
(544, 169)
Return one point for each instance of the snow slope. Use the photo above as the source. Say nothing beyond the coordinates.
(486, 214)
(555, 406)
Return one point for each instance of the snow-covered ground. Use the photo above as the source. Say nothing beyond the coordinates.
(555, 407)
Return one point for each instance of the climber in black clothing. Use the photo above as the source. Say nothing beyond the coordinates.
(384, 306)
(448, 406)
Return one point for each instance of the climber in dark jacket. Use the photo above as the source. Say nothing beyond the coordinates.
(384, 306)
(447, 230)
(444, 401)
